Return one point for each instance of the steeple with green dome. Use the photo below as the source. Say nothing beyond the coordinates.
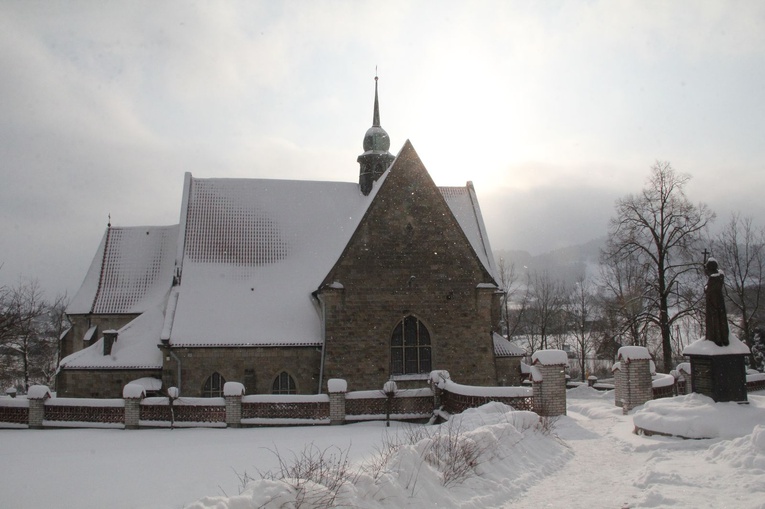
(376, 158)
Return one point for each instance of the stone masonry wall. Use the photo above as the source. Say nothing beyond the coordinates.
(409, 257)
(98, 383)
(256, 368)
(80, 325)
(508, 371)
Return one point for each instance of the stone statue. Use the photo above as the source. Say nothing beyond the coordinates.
(716, 318)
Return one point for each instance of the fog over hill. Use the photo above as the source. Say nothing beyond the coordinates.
(566, 264)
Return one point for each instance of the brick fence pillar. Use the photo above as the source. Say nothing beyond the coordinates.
(685, 372)
(636, 376)
(37, 395)
(133, 394)
(548, 376)
(337, 388)
(132, 412)
(619, 384)
(232, 393)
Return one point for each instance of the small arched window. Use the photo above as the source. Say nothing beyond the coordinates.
(213, 387)
(284, 384)
(410, 348)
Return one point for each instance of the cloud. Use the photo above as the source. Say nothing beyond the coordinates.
(553, 109)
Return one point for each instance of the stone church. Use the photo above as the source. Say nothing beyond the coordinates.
(282, 285)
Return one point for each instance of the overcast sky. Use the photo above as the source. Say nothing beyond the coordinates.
(553, 109)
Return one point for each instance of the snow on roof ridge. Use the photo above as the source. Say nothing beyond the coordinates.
(250, 344)
(505, 348)
(463, 204)
(167, 325)
(130, 271)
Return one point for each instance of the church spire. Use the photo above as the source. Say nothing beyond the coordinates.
(376, 158)
(376, 114)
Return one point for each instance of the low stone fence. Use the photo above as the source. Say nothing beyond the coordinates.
(14, 413)
(270, 409)
(158, 412)
(406, 404)
(457, 398)
(83, 413)
(755, 382)
(40, 410)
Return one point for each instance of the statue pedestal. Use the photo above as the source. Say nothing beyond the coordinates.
(719, 371)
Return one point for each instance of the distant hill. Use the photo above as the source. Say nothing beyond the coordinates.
(567, 263)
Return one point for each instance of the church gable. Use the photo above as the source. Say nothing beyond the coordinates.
(408, 265)
(410, 221)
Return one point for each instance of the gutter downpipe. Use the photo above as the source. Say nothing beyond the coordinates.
(178, 362)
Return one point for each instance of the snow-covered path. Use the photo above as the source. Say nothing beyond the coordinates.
(612, 468)
(597, 463)
(599, 460)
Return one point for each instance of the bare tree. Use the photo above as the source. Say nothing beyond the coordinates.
(545, 307)
(515, 298)
(661, 229)
(29, 335)
(740, 251)
(580, 309)
(624, 284)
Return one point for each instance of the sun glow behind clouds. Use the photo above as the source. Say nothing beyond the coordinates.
(548, 107)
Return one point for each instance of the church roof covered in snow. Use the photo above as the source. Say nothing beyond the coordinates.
(131, 271)
(505, 348)
(248, 256)
(463, 203)
(135, 348)
(254, 252)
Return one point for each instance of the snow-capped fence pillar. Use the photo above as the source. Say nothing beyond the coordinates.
(37, 395)
(548, 376)
(437, 379)
(620, 384)
(133, 394)
(337, 388)
(636, 382)
(232, 393)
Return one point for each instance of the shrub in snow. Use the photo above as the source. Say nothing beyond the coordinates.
(312, 478)
(494, 451)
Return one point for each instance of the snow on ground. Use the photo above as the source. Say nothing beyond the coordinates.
(592, 460)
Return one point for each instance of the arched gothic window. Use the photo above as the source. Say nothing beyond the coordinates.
(213, 387)
(284, 384)
(410, 348)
